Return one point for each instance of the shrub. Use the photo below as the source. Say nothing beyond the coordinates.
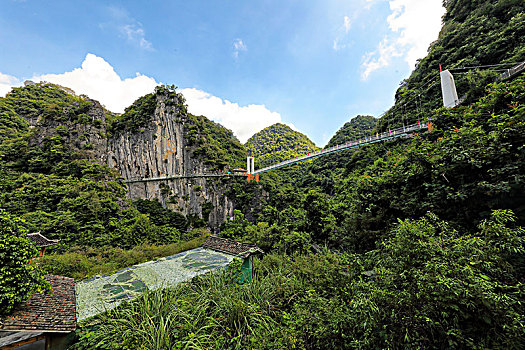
(19, 279)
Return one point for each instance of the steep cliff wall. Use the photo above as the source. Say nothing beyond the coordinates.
(154, 137)
(170, 143)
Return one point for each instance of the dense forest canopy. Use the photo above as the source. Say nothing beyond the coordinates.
(52, 175)
(474, 33)
(375, 203)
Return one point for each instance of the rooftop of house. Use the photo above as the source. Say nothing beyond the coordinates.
(10, 340)
(41, 241)
(231, 247)
(45, 312)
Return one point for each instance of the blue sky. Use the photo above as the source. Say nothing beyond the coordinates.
(246, 64)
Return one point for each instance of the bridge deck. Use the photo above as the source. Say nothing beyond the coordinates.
(385, 136)
(389, 135)
(176, 177)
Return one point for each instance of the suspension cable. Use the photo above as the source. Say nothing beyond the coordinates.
(486, 66)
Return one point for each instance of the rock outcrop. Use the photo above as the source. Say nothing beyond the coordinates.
(86, 138)
(162, 148)
(155, 137)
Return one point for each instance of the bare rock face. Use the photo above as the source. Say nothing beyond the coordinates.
(158, 138)
(161, 148)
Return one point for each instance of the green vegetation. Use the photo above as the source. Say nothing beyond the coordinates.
(42, 100)
(210, 142)
(470, 165)
(277, 143)
(357, 128)
(419, 241)
(426, 286)
(161, 216)
(213, 143)
(85, 262)
(324, 174)
(19, 278)
(475, 33)
(140, 114)
(60, 191)
(136, 116)
(79, 211)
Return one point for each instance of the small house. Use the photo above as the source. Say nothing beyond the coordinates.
(41, 242)
(243, 251)
(239, 171)
(45, 321)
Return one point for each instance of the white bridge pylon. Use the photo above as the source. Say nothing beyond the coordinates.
(250, 165)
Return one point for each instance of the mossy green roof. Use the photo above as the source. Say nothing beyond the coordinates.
(106, 292)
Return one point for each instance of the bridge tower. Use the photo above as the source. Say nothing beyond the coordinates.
(448, 89)
(250, 165)
(250, 169)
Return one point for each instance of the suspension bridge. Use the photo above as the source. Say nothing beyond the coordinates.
(405, 131)
(450, 99)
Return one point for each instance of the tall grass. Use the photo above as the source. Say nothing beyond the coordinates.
(211, 311)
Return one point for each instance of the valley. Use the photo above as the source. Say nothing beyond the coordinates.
(406, 230)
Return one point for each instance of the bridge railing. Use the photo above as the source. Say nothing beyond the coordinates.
(512, 71)
(392, 133)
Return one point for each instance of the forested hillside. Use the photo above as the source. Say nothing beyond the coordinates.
(277, 143)
(325, 174)
(484, 36)
(54, 175)
(475, 33)
(415, 217)
(415, 243)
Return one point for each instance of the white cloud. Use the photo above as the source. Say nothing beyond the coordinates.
(135, 34)
(414, 25)
(7, 82)
(97, 79)
(127, 27)
(347, 23)
(244, 121)
(380, 58)
(238, 46)
(342, 32)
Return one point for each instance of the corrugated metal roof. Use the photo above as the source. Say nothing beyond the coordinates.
(40, 240)
(231, 247)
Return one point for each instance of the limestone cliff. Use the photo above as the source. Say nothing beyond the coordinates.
(172, 142)
(154, 137)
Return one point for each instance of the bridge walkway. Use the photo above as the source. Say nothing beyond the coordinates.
(404, 131)
(379, 137)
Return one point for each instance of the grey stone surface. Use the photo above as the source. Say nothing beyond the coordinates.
(161, 149)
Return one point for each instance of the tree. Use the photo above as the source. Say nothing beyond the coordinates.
(236, 227)
(439, 288)
(19, 278)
